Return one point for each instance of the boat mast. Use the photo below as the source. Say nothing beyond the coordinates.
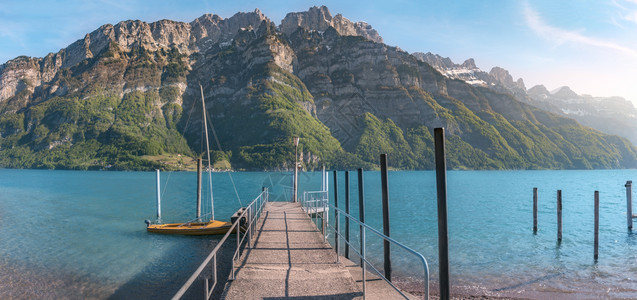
(212, 203)
(158, 198)
(198, 189)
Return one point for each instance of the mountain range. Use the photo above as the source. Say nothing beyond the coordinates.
(127, 93)
(614, 115)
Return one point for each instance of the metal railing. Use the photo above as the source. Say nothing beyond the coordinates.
(252, 213)
(312, 205)
(315, 203)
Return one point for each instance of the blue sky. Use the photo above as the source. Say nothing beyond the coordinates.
(589, 45)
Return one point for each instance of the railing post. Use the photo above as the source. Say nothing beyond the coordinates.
(347, 212)
(205, 288)
(296, 168)
(363, 258)
(361, 207)
(214, 270)
(629, 204)
(233, 275)
(385, 195)
(534, 210)
(323, 219)
(238, 245)
(338, 242)
(336, 231)
(260, 200)
(249, 220)
(443, 235)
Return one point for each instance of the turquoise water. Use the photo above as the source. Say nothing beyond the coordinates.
(69, 234)
(492, 248)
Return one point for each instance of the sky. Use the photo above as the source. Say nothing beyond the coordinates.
(588, 45)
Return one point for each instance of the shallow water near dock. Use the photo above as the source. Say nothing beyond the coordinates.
(73, 234)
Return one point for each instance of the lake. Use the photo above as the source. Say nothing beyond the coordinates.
(73, 234)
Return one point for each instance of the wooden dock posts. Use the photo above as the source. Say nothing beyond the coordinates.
(385, 208)
(335, 212)
(629, 215)
(361, 212)
(629, 204)
(559, 216)
(385, 199)
(535, 210)
(596, 242)
(443, 235)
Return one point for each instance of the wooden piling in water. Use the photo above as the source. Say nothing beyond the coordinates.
(336, 235)
(596, 243)
(347, 212)
(629, 204)
(361, 211)
(443, 235)
(385, 198)
(534, 210)
(559, 215)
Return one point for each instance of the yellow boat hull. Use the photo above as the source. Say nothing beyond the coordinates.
(198, 228)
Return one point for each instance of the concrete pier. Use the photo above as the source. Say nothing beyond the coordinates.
(290, 259)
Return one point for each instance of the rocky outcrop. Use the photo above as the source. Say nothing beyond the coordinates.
(210, 29)
(565, 93)
(21, 80)
(435, 60)
(320, 19)
(18, 75)
(469, 64)
(503, 77)
(539, 92)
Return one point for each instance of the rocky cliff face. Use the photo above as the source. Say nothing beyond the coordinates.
(503, 77)
(126, 36)
(132, 89)
(319, 19)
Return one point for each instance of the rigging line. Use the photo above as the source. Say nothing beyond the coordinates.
(214, 134)
(163, 191)
(235, 189)
(205, 112)
(192, 107)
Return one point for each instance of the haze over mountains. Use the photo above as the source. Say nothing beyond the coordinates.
(614, 115)
(132, 89)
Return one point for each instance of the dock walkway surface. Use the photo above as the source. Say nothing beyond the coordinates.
(289, 259)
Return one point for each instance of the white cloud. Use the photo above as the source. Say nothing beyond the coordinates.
(560, 36)
(627, 10)
(632, 17)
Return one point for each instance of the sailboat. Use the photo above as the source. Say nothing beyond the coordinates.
(195, 226)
